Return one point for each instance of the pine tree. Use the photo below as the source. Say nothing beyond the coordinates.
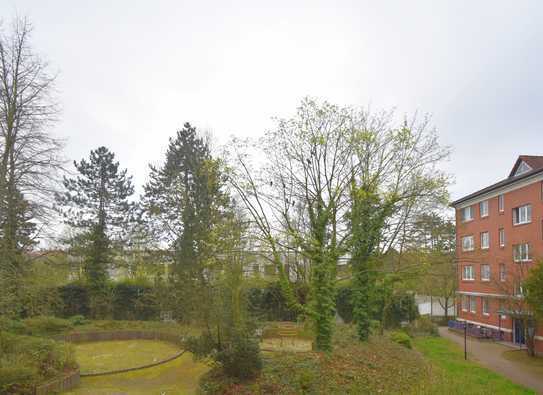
(96, 202)
(184, 204)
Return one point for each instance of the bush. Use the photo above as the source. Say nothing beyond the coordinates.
(401, 338)
(45, 325)
(12, 326)
(344, 304)
(28, 360)
(403, 308)
(16, 378)
(77, 320)
(241, 358)
(268, 303)
(422, 326)
(75, 298)
(134, 301)
(375, 327)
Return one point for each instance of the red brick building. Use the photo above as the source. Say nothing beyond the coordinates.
(499, 232)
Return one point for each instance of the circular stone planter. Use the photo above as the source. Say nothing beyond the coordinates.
(84, 337)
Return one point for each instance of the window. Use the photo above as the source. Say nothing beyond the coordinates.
(468, 243)
(473, 304)
(522, 168)
(485, 240)
(465, 303)
(485, 272)
(521, 252)
(519, 290)
(467, 273)
(501, 204)
(483, 208)
(467, 213)
(522, 214)
(502, 310)
(502, 237)
(486, 306)
(502, 271)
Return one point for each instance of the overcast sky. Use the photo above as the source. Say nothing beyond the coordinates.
(132, 72)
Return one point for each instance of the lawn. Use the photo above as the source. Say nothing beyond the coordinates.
(103, 356)
(177, 377)
(451, 374)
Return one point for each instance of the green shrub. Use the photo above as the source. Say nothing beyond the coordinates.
(401, 338)
(422, 326)
(13, 326)
(45, 325)
(375, 327)
(77, 320)
(75, 298)
(16, 377)
(241, 358)
(27, 360)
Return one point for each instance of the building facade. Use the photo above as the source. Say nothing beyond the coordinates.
(499, 232)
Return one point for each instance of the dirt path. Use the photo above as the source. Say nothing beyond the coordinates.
(489, 354)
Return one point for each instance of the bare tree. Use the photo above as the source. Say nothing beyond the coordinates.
(29, 154)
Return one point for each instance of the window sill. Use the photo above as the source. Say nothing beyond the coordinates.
(485, 281)
(486, 314)
(468, 279)
(522, 223)
(485, 248)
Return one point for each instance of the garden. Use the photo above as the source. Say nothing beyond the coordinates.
(285, 264)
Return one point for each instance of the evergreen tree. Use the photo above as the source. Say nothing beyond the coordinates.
(184, 205)
(96, 202)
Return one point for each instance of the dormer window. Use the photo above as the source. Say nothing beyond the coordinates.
(522, 168)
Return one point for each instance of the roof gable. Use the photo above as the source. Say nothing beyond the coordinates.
(526, 163)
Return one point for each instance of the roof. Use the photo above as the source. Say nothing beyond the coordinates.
(535, 162)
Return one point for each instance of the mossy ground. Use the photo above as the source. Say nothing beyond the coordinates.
(104, 356)
(177, 377)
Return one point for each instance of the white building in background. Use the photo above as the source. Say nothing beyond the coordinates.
(434, 306)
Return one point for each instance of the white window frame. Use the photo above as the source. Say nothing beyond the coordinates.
(472, 304)
(522, 214)
(463, 212)
(485, 306)
(483, 212)
(468, 274)
(503, 272)
(501, 233)
(486, 272)
(471, 247)
(501, 203)
(465, 303)
(485, 236)
(521, 252)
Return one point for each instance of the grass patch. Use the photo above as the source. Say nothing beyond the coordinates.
(534, 364)
(176, 377)
(451, 374)
(95, 357)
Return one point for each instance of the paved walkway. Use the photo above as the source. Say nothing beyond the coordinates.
(489, 354)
